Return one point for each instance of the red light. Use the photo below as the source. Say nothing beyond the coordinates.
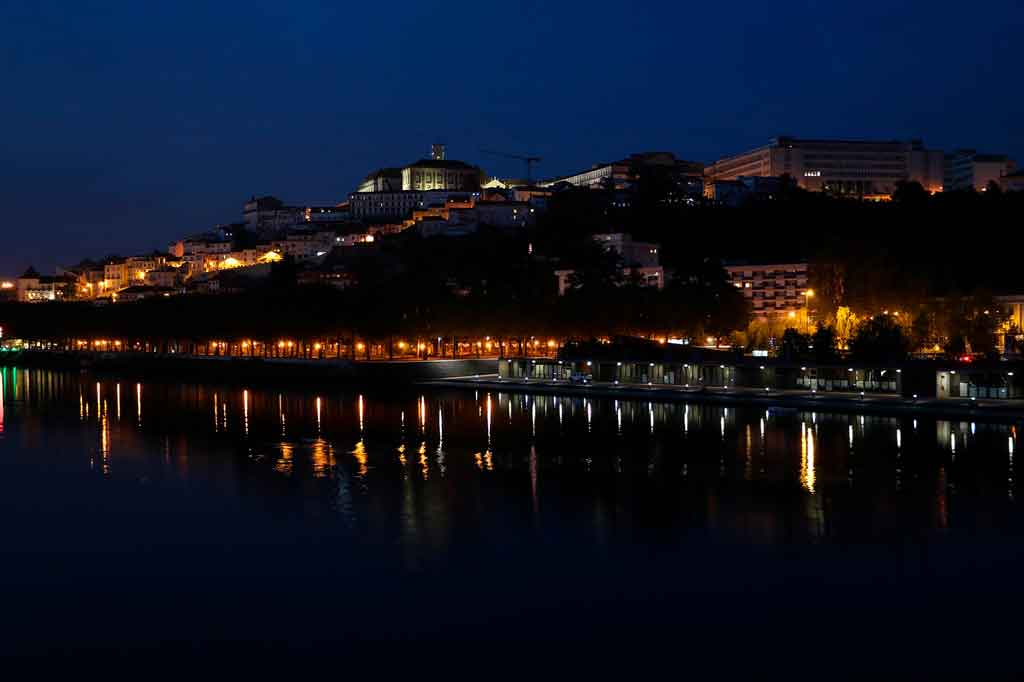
(966, 358)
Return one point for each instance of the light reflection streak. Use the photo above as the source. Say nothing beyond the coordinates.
(105, 439)
(359, 452)
(285, 463)
(424, 462)
(318, 414)
(807, 473)
(749, 468)
(138, 403)
(245, 411)
(440, 443)
(488, 421)
(280, 412)
(362, 413)
(118, 402)
(321, 457)
(1009, 470)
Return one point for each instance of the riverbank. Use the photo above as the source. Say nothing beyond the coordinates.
(893, 405)
(277, 370)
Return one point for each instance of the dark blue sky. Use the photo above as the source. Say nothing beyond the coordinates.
(128, 123)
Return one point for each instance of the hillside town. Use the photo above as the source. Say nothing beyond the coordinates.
(442, 197)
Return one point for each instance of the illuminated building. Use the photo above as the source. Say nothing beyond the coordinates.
(397, 206)
(771, 288)
(383, 180)
(165, 277)
(31, 287)
(137, 266)
(392, 194)
(967, 169)
(115, 275)
(87, 275)
(867, 169)
(440, 175)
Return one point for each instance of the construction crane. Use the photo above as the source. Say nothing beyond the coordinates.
(528, 160)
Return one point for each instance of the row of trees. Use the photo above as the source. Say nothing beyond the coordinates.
(876, 339)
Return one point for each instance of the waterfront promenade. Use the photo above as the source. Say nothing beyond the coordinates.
(236, 368)
(835, 401)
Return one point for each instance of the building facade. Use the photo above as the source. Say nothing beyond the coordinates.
(31, 287)
(623, 174)
(382, 180)
(742, 189)
(397, 206)
(966, 169)
(440, 175)
(867, 169)
(772, 288)
(263, 214)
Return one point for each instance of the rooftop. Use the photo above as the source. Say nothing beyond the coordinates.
(434, 163)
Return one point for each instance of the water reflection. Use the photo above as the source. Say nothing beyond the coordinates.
(598, 462)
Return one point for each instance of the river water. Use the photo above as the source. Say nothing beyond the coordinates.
(214, 517)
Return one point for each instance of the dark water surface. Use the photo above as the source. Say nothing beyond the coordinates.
(593, 536)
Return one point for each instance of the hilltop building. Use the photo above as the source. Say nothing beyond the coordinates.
(967, 169)
(624, 173)
(860, 168)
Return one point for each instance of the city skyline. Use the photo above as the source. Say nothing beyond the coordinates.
(139, 135)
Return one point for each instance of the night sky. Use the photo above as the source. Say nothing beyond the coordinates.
(129, 123)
